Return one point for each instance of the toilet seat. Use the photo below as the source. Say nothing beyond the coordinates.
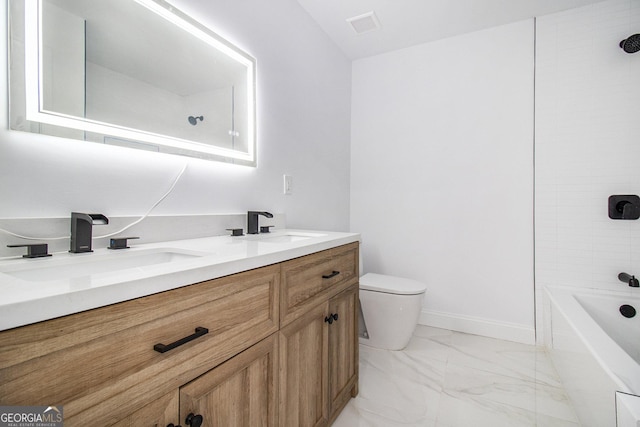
(391, 285)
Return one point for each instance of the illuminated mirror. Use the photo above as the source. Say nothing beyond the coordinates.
(134, 73)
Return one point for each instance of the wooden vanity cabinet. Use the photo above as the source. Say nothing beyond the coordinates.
(270, 357)
(319, 342)
(101, 366)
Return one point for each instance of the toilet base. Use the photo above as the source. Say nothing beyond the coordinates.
(390, 319)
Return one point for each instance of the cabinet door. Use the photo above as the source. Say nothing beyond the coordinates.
(304, 370)
(343, 348)
(239, 393)
(159, 413)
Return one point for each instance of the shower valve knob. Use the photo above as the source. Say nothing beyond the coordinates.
(624, 206)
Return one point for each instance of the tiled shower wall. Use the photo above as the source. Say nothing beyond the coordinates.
(587, 147)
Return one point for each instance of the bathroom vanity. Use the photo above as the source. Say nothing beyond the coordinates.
(271, 344)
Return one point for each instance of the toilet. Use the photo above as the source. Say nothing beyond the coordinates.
(390, 307)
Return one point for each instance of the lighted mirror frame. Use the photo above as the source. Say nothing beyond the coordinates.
(34, 101)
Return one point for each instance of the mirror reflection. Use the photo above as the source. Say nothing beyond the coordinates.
(136, 73)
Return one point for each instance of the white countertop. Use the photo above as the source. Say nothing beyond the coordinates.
(29, 298)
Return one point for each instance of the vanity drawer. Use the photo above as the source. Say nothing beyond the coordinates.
(101, 364)
(312, 279)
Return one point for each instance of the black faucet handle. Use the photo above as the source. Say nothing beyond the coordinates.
(120, 242)
(236, 231)
(34, 250)
(265, 228)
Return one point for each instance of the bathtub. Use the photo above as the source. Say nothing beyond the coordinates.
(595, 349)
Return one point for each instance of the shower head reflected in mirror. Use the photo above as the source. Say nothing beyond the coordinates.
(631, 44)
(194, 119)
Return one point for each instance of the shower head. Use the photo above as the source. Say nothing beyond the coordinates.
(631, 44)
(194, 119)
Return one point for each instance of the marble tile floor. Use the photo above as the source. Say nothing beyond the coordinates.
(451, 379)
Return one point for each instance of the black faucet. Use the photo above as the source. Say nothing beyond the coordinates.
(252, 221)
(631, 280)
(81, 230)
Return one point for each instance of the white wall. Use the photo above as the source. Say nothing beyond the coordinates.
(587, 146)
(442, 175)
(303, 130)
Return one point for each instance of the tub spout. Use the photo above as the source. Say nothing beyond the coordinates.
(631, 280)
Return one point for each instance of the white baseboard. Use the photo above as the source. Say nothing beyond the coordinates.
(478, 326)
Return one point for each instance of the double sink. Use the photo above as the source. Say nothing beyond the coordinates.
(35, 290)
(72, 266)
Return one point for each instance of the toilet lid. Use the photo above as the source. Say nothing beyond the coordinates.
(391, 284)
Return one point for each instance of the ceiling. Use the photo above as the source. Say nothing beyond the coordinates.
(405, 23)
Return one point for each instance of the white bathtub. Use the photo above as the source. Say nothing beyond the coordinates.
(596, 350)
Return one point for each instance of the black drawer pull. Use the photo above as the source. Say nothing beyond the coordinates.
(329, 276)
(163, 348)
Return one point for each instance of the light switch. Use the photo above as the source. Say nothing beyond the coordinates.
(288, 184)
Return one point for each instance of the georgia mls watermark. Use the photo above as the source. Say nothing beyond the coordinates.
(31, 416)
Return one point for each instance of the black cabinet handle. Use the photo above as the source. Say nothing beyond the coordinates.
(329, 276)
(193, 420)
(163, 348)
(331, 317)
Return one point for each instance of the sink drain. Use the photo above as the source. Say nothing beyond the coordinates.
(627, 311)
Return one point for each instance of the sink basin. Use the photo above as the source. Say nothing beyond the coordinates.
(86, 265)
(283, 239)
(287, 237)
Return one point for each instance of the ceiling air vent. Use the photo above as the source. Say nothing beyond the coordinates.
(364, 23)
